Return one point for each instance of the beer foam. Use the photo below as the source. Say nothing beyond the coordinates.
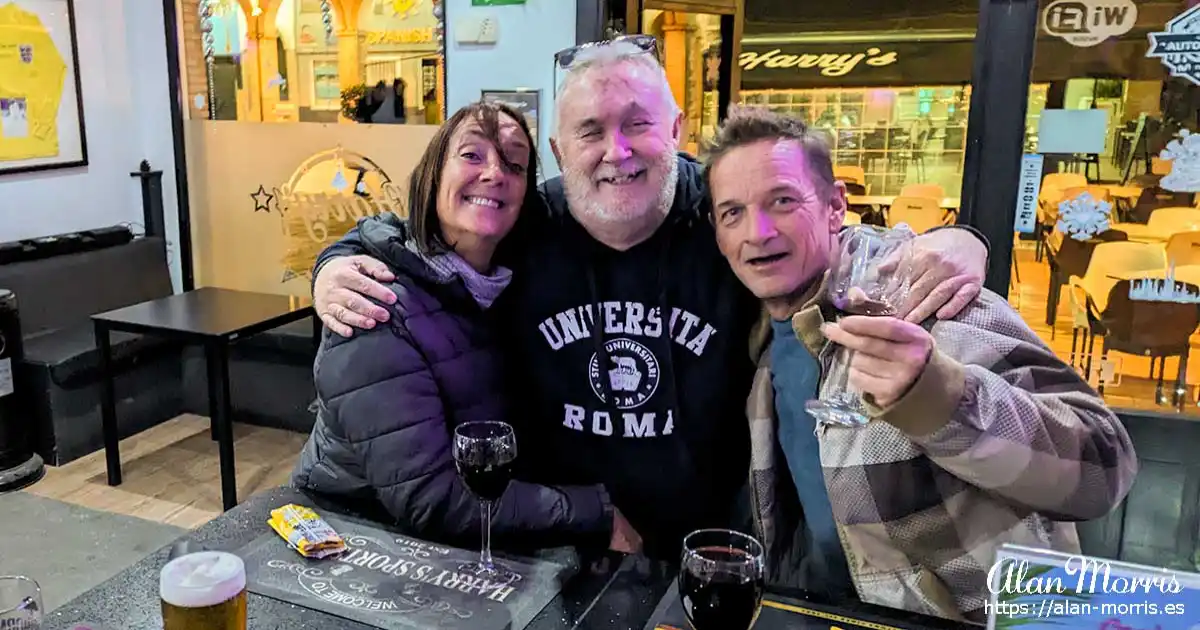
(205, 578)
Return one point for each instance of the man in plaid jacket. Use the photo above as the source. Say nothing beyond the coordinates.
(979, 435)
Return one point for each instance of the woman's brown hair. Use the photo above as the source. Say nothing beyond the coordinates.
(426, 178)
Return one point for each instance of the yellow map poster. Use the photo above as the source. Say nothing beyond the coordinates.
(32, 76)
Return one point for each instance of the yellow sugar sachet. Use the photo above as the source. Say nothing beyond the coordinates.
(306, 532)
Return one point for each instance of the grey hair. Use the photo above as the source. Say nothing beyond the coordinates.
(602, 57)
(747, 125)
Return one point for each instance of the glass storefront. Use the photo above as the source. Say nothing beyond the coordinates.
(342, 83)
(311, 61)
(893, 94)
(896, 135)
(691, 53)
(1101, 131)
(1119, 300)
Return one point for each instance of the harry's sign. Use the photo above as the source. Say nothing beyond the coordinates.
(790, 65)
(833, 64)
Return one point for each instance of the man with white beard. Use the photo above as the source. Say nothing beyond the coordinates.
(626, 331)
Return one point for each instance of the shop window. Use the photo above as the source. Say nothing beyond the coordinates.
(1100, 115)
(897, 136)
(294, 116)
(691, 53)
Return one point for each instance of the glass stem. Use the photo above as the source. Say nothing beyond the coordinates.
(485, 553)
(848, 396)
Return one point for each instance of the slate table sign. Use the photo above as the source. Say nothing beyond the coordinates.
(390, 581)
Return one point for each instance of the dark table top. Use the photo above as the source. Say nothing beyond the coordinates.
(209, 312)
(612, 592)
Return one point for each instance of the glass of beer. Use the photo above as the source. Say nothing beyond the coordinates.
(204, 590)
(20, 603)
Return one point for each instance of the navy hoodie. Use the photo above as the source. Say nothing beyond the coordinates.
(629, 369)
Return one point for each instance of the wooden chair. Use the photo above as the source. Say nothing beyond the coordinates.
(1158, 330)
(1069, 257)
(1110, 261)
(1051, 193)
(930, 191)
(854, 174)
(1183, 248)
(1174, 220)
(920, 213)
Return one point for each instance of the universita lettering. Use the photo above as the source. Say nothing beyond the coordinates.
(626, 318)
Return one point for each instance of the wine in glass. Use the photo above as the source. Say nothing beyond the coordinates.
(721, 579)
(869, 277)
(484, 453)
(20, 603)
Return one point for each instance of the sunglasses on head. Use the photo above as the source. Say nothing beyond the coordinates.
(639, 44)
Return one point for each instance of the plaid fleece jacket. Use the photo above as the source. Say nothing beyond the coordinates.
(997, 442)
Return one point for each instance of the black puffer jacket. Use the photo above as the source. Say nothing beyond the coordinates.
(389, 399)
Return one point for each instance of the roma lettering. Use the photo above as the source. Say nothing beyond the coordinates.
(829, 64)
(628, 424)
(626, 318)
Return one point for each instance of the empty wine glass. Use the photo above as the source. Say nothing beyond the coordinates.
(20, 603)
(721, 579)
(484, 453)
(869, 277)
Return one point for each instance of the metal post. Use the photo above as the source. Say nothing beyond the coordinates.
(152, 200)
(996, 127)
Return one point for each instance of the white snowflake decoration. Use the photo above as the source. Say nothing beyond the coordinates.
(1083, 217)
(1184, 155)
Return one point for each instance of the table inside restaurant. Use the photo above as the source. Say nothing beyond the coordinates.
(610, 591)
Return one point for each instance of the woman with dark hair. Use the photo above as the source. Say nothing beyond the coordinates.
(389, 398)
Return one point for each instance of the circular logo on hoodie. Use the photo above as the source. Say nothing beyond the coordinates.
(630, 372)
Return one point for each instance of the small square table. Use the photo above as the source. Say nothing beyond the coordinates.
(212, 318)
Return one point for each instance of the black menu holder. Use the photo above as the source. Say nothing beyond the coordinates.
(391, 581)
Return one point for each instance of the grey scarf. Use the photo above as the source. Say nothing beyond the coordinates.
(484, 288)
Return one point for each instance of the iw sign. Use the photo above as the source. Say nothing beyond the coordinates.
(1086, 23)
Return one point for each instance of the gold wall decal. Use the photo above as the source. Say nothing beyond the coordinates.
(326, 196)
(303, 205)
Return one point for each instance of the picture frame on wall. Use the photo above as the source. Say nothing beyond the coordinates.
(525, 101)
(41, 101)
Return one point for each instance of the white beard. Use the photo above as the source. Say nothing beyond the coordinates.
(579, 188)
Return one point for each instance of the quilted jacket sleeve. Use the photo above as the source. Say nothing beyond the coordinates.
(996, 407)
(382, 398)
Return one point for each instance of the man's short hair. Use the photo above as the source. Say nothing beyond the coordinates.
(747, 125)
(606, 56)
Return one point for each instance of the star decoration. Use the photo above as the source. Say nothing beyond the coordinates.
(262, 199)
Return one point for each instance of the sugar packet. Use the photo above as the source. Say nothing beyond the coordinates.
(306, 532)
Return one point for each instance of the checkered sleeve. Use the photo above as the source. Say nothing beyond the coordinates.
(997, 408)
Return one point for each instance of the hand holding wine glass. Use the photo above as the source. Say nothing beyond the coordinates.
(869, 278)
(890, 354)
(484, 453)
